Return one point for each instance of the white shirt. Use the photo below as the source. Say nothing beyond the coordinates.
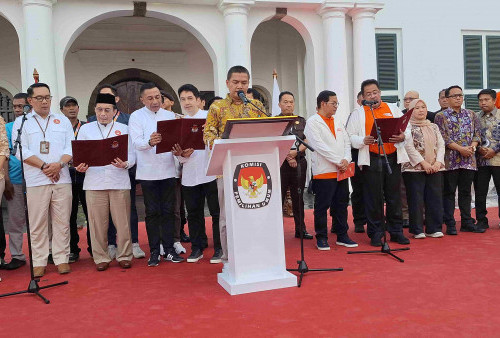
(107, 177)
(150, 166)
(59, 134)
(194, 167)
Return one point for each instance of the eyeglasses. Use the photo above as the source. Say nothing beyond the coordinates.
(409, 99)
(334, 104)
(456, 96)
(41, 98)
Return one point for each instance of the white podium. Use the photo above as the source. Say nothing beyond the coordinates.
(254, 221)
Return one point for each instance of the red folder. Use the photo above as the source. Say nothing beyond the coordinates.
(390, 127)
(188, 133)
(348, 173)
(98, 153)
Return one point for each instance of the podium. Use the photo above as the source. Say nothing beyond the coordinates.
(252, 194)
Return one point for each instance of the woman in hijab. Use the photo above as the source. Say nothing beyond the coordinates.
(422, 175)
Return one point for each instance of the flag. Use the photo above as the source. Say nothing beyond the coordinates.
(276, 94)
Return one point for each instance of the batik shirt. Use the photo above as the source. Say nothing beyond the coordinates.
(489, 122)
(222, 110)
(461, 128)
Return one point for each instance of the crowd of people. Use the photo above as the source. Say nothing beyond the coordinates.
(436, 155)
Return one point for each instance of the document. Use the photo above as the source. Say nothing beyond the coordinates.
(188, 133)
(98, 153)
(390, 127)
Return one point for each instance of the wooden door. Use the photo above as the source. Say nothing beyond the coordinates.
(129, 93)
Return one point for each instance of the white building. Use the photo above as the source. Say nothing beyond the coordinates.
(424, 45)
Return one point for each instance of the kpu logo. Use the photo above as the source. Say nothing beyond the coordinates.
(252, 185)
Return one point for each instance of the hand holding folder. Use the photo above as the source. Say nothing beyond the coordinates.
(188, 133)
(348, 173)
(98, 153)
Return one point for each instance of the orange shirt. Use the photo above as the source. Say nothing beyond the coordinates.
(497, 102)
(331, 124)
(382, 112)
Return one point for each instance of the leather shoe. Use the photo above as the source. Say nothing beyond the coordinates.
(125, 264)
(451, 230)
(73, 257)
(15, 264)
(472, 228)
(359, 229)
(63, 268)
(400, 239)
(38, 271)
(102, 266)
(306, 235)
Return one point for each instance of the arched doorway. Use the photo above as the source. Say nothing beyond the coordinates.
(128, 83)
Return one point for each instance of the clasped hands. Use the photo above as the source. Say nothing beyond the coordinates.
(83, 167)
(394, 139)
(52, 171)
(431, 168)
(487, 153)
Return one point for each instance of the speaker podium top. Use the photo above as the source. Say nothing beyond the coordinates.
(252, 136)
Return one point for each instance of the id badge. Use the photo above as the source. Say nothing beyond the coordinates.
(44, 147)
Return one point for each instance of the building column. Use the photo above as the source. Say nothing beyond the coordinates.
(236, 26)
(364, 48)
(39, 46)
(336, 63)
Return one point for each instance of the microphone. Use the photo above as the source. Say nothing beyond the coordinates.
(26, 109)
(243, 97)
(368, 103)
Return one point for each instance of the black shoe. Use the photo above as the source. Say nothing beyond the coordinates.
(195, 256)
(483, 225)
(3, 264)
(50, 260)
(217, 257)
(406, 223)
(359, 228)
(472, 228)
(451, 230)
(154, 260)
(400, 239)
(15, 264)
(184, 238)
(73, 257)
(306, 235)
(173, 257)
(376, 240)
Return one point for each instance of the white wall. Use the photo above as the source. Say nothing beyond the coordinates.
(10, 67)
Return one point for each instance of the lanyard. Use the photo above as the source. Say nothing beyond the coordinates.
(116, 116)
(109, 132)
(46, 126)
(77, 129)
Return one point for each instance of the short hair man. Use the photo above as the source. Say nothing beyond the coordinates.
(376, 177)
(253, 94)
(489, 157)
(14, 193)
(156, 172)
(107, 188)
(46, 141)
(230, 107)
(443, 104)
(290, 176)
(69, 107)
(461, 132)
(196, 185)
(329, 138)
(359, 98)
(167, 100)
(409, 96)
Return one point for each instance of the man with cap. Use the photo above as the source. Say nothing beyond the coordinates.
(107, 188)
(69, 107)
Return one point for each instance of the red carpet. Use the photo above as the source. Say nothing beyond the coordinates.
(446, 287)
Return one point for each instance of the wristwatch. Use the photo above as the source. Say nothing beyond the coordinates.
(63, 164)
(43, 165)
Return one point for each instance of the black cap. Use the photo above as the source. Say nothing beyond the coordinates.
(67, 99)
(105, 98)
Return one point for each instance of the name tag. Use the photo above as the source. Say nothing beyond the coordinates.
(44, 147)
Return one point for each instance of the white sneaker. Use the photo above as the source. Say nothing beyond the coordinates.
(137, 251)
(437, 234)
(162, 251)
(419, 236)
(112, 251)
(179, 248)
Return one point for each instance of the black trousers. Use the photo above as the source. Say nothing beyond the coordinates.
(134, 219)
(334, 195)
(481, 186)
(358, 206)
(461, 179)
(290, 179)
(78, 197)
(159, 200)
(424, 190)
(379, 185)
(195, 197)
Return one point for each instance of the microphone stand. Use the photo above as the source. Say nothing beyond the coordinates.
(385, 246)
(33, 286)
(303, 268)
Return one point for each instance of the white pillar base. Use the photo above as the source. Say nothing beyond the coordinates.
(256, 283)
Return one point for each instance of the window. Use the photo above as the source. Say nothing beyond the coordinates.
(481, 65)
(388, 64)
